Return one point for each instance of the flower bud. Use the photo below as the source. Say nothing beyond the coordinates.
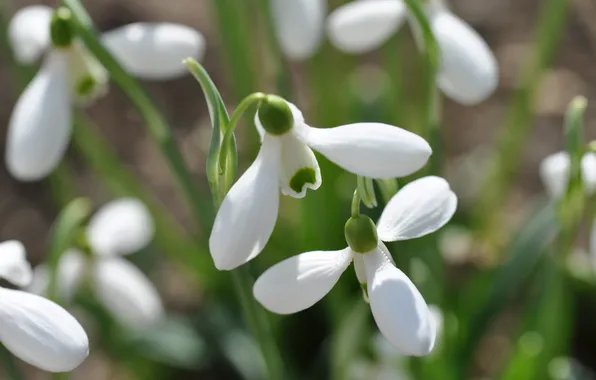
(275, 115)
(61, 28)
(361, 234)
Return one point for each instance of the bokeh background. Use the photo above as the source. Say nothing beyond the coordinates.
(206, 339)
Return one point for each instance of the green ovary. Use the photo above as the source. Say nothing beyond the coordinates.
(301, 178)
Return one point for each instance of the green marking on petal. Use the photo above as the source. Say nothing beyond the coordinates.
(301, 178)
(86, 86)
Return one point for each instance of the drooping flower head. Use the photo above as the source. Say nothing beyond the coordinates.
(286, 161)
(35, 329)
(297, 283)
(468, 71)
(299, 26)
(554, 173)
(121, 227)
(40, 125)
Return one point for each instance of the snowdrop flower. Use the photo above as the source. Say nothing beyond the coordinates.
(40, 125)
(554, 173)
(120, 227)
(285, 161)
(468, 71)
(297, 283)
(299, 26)
(33, 328)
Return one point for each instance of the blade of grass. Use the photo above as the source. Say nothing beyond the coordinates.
(156, 125)
(518, 124)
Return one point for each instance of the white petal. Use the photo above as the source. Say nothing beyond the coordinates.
(554, 173)
(419, 208)
(40, 125)
(155, 50)
(14, 266)
(29, 32)
(301, 281)
(364, 25)
(299, 26)
(398, 307)
(70, 273)
(248, 213)
(437, 318)
(299, 169)
(588, 167)
(469, 72)
(126, 292)
(359, 269)
(41, 332)
(371, 149)
(120, 227)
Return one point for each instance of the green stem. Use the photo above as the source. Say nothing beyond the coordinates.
(355, 204)
(518, 125)
(258, 323)
(228, 139)
(156, 124)
(168, 236)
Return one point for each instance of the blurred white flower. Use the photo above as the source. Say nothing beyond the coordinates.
(40, 125)
(119, 228)
(285, 161)
(468, 71)
(35, 329)
(554, 173)
(297, 283)
(299, 26)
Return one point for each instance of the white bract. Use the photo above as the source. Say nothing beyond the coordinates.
(468, 71)
(119, 228)
(36, 330)
(554, 172)
(40, 125)
(297, 283)
(299, 26)
(285, 161)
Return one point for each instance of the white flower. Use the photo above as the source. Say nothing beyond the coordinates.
(299, 26)
(35, 329)
(285, 161)
(297, 283)
(554, 172)
(40, 125)
(120, 227)
(468, 70)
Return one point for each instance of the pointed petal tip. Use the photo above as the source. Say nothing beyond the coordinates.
(246, 219)
(40, 332)
(28, 33)
(122, 226)
(155, 50)
(362, 26)
(469, 71)
(14, 266)
(39, 128)
(421, 207)
(299, 282)
(374, 150)
(398, 308)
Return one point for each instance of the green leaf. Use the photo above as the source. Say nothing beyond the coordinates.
(348, 338)
(546, 330)
(65, 231)
(219, 123)
(173, 341)
(574, 136)
(522, 256)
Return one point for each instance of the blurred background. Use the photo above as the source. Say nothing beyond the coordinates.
(204, 336)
